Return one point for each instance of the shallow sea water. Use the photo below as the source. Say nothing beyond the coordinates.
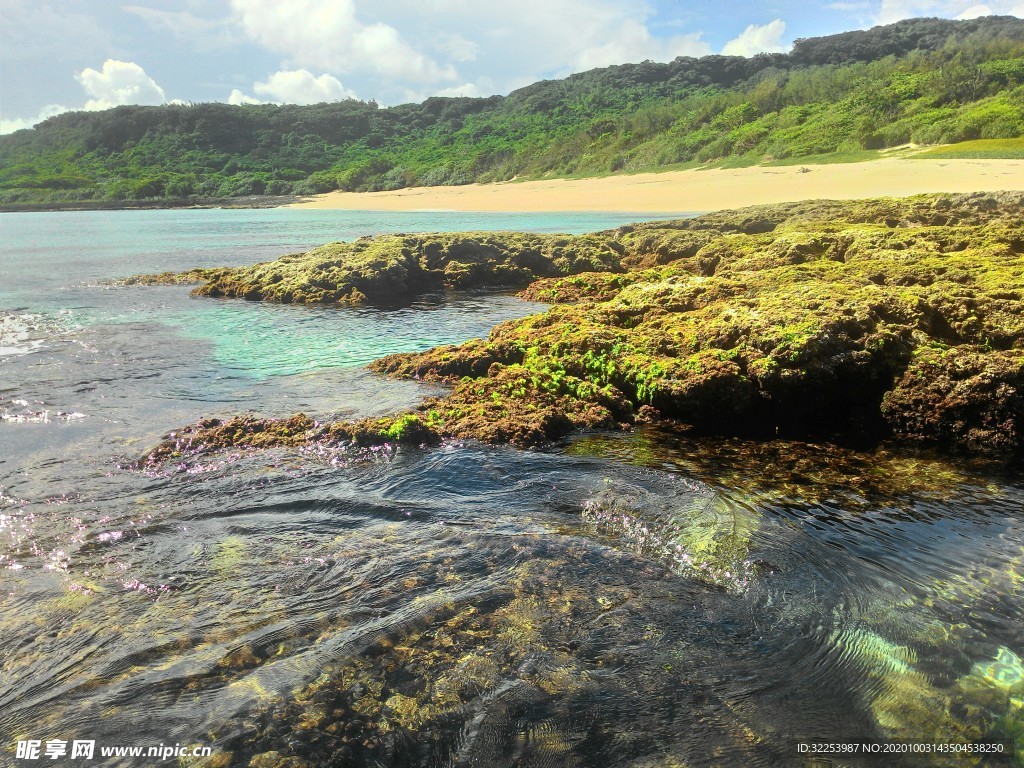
(636, 599)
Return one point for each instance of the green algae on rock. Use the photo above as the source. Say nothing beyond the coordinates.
(197, 275)
(477, 680)
(965, 395)
(251, 432)
(790, 472)
(863, 318)
(392, 268)
(824, 319)
(703, 537)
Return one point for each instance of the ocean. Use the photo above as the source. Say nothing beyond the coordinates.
(641, 598)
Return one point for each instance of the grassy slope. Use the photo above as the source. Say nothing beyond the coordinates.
(840, 98)
(981, 149)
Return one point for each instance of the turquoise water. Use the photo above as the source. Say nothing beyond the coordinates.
(46, 254)
(633, 599)
(62, 265)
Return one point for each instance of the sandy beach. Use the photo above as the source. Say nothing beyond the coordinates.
(697, 190)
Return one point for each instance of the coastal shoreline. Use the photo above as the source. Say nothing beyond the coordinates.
(677, 192)
(160, 204)
(670, 193)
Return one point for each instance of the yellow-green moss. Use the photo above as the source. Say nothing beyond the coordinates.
(814, 319)
(395, 267)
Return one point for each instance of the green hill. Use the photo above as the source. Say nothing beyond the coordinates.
(927, 81)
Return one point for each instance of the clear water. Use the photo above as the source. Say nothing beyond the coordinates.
(619, 600)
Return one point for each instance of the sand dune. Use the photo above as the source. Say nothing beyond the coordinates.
(697, 190)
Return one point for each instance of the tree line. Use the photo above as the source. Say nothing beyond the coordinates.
(923, 80)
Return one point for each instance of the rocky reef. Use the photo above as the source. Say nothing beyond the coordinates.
(872, 319)
(255, 433)
(395, 267)
(197, 275)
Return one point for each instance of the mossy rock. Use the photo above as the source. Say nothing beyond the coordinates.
(393, 268)
(818, 320)
(198, 275)
(805, 320)
(964, 395)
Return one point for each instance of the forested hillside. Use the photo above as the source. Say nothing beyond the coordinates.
(927, 81)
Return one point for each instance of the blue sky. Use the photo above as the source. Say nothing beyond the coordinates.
(73, 54)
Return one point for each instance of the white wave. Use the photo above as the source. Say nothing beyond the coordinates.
(21, 333)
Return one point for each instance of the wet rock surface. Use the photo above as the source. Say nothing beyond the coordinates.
(821, 320)
(863, 319)
(391, 268)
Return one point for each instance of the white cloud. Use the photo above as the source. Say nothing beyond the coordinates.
(522, 42)
(237, 98)
(10, 126)
(120, 82)
(563, 36)
(456, 47)
(300, 87)
(974, 12)
(634, 43)
(466, 89)
(326, 34)
(758, 39)
(205, 33)
(296, 86)
(895, 10)
(411, 48)
(117, 83)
